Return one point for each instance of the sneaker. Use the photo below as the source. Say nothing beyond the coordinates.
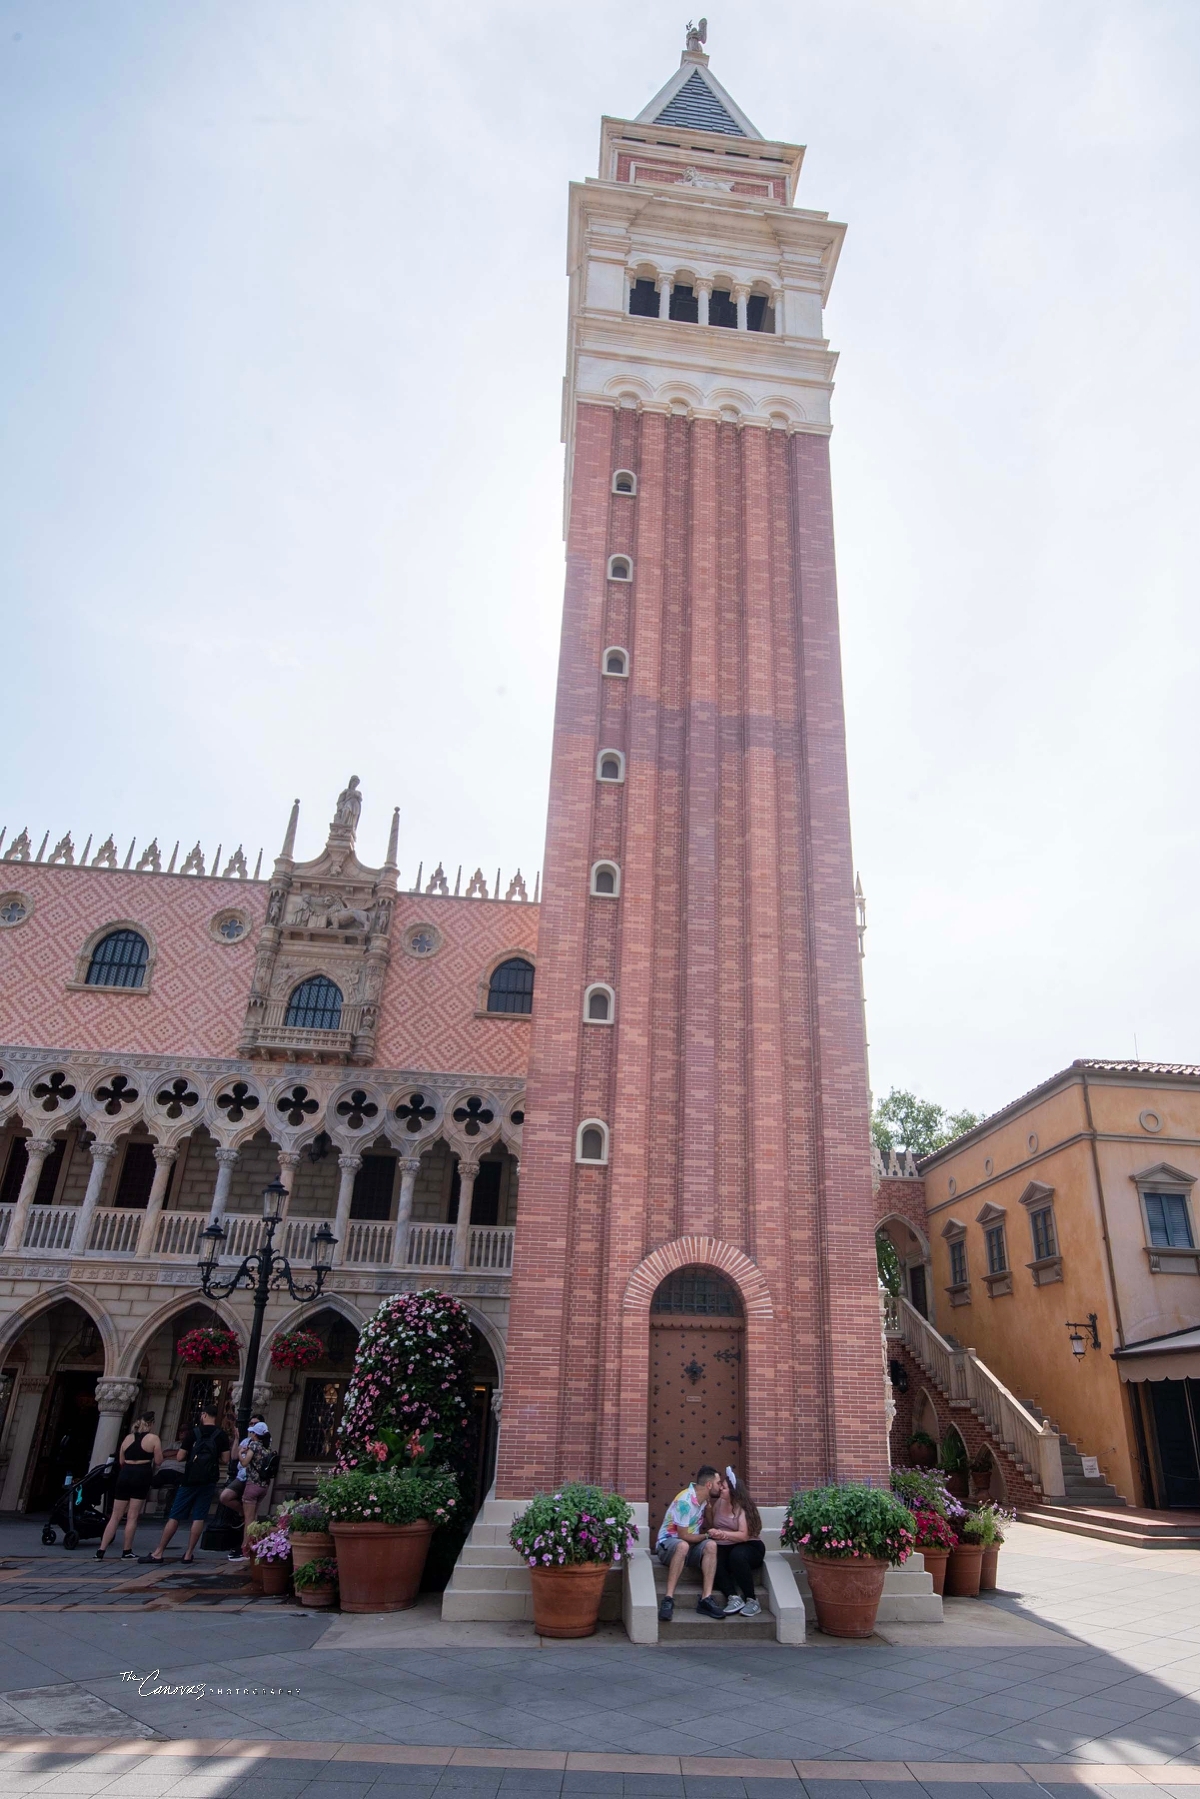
(100, 1553)
(733, 1605)
(751, 1608)
(127, 1555)
(238, 1561)
(712, 1608)
(666, 1609)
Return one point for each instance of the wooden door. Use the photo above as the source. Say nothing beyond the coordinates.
(695, 1403)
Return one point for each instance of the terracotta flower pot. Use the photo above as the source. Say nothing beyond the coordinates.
(987, 1569)
(275, 1577)
(380, 1565)
(319, 1598)
(256, 1573)
(311, 1546)
(845, 1593)
(958, 1485)
(922, 1455)
(935, 1565)
(962, 1571)
(566, 1601)
(981, 1482)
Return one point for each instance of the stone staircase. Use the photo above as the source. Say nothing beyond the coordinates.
(1080, 1489)
(1129, 1525)
(690, 1626)
(491, 1582)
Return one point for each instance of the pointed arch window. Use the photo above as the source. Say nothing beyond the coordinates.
(119, 960)
(511, 986)
(315, 1005)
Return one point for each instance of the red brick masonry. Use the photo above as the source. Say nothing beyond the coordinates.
(733, 1081)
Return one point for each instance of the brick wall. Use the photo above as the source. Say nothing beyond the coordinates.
(734, 1078)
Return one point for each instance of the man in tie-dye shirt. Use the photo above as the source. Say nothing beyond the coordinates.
(682, 1543)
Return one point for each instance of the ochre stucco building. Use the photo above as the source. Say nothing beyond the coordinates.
(669, 1047)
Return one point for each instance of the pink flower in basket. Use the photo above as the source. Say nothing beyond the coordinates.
(208, 1347)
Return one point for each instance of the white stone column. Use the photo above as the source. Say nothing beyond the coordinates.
(665, 285)
(36, 1151)
(113, 1397)
(164, 1160)
(102, 1155)
(703, 296)
(226, 1163)
(349, 1167)
(289, 1161)
(410, 1168)
(741, 297)
(462, 1230)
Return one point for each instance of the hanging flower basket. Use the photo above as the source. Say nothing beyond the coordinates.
(208, 1347)
(296, 1349)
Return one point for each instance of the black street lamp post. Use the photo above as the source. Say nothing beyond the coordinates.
(264, 1271)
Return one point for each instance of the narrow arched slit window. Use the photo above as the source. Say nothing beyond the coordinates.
(624, 481)
(606, 879)
(592, 1141)
(598, 1004)
(620, 568)
(511, 986)
(315, 1005)
(616, 662)
(610, 766)
(119, 960)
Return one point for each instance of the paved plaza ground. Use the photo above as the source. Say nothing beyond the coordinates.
(1083, 1672)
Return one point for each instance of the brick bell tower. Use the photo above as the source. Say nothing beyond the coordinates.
(696, 1173)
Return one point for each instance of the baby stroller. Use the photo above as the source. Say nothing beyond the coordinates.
(79, 1509)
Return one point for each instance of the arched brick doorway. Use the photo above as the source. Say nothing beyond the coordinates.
(697, 1390)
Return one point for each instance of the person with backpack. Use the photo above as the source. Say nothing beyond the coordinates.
(201, 1472)
(259, 1465)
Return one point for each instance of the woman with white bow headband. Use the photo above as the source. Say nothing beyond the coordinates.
(732, 1522)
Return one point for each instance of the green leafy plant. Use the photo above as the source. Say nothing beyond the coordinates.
(261, 1527)
(412, 1377)
(577, 1524)
(850, 1521)
(397, 1496)
(923, 1437)
(986, 1525)
(323, 1573)
(953, 1456)
(887, 1264)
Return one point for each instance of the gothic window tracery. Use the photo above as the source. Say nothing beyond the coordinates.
(511, 986)
(119, 960)
(414, 1112)
(315, 1005)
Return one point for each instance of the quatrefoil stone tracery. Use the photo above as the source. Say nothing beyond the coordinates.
(174, 1098)
(297, 1105)
(356, 1109)
(55, 1092)
(473, 1115)
(415, 1112)
(237, 1102)
(117, 1093)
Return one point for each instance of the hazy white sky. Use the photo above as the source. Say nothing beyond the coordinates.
(281, 347)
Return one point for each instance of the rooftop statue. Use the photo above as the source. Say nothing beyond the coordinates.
(697, 35)
(349, 806)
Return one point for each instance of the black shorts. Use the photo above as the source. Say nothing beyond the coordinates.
(134, 1482)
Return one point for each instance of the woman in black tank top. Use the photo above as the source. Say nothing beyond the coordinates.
(141, 1454)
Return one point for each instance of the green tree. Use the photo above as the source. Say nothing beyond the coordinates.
(888, 1263)
(902, 1121)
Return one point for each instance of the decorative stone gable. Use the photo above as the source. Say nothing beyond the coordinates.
(331, 917)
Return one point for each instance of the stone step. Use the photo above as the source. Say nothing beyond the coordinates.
(463, 1605)
(690, 1626)
(1104, 1527)
(492, 1577)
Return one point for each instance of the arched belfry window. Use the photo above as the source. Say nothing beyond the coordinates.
(511, 986)
(119, 960)
(315, 1005)
(698, 1292)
